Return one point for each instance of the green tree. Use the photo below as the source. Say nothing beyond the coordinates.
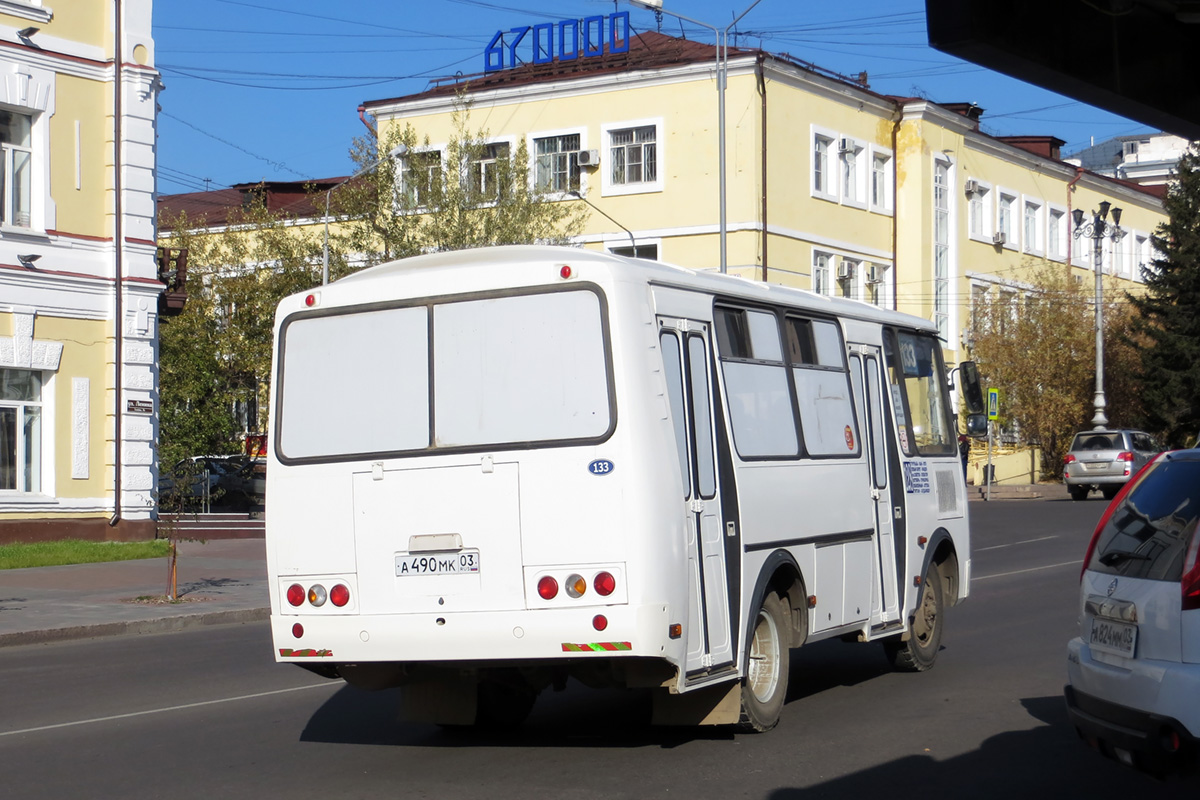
(1170, 361)
(1038, 347)
(471, 193)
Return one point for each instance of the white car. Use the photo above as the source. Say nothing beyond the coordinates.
(1134, 671)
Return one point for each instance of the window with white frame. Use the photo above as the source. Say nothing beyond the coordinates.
(1056, 234)
(419, 174)
(979, 211)
(881, 181)
(633, 155)
(1120, 264)
(1031, 226)
(1141, 255)
(20, 430)
(17, 177)
(821, 283)
(980, 294)
(852, 157)
(941, 248)
(1005, 224)
(485, 172)
(849, 273)
(556, 165)
(822, 180)
(876, 277)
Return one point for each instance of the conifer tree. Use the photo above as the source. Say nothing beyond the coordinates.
(1168, 322)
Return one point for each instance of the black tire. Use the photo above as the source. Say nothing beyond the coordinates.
(918, 652)
(764, 688)
(1078, 492)
(1110, 492)
(503, 706)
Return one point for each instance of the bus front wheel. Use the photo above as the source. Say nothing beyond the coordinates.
(764, 688)
(918, 652)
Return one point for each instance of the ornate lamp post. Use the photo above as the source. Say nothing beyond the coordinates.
(1098, 230)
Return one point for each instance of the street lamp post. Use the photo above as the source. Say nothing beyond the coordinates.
(1098, 230)
(395, 152)
(722, 66)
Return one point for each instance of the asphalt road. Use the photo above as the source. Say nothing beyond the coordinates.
(207, 713)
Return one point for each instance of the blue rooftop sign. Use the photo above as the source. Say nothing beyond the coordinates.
(575, 38)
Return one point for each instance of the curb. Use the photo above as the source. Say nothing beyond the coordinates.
(135, 627)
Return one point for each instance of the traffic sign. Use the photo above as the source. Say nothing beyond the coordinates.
(993, 404)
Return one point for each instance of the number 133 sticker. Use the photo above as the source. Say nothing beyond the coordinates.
(601, 466)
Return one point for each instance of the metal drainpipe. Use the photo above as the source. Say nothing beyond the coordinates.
(762, 91)
(118, 264)
(896, 207)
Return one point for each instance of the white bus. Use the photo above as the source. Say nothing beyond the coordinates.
(498, 469)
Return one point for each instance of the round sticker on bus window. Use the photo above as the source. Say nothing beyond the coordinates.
(601, 466)
(849, 438)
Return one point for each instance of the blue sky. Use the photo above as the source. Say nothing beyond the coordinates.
(269, 89)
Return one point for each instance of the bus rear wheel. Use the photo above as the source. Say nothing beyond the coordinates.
(918, 652)
(764, 688)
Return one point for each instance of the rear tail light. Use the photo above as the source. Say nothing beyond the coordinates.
(576, 586)
(295, 594)
(317, 595)
(1108, 512)
(604, 583)
(1189, 584)
(339, 595)
(547, 587)
(1127, 457)
(1069, 459)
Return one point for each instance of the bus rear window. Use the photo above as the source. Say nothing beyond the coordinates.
(499, 370)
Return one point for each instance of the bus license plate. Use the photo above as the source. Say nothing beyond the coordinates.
(459, 562)
(1111, 636)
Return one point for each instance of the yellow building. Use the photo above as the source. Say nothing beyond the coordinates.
(831, 187)
(79, 282)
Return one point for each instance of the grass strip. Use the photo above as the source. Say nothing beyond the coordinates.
(76, 551)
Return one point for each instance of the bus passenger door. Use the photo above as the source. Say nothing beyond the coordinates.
(867, 376)
(687, 359)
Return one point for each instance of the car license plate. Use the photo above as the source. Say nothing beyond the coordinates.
(1111, 636)
(458, 562)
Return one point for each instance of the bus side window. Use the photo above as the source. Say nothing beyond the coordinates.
(673, 372)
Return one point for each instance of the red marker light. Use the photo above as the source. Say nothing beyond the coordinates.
(310, 300)
(605, 583)
(565, 272)
(599, 622)
(298, 630)
(296, 594)
(547, 587)
(339, 595)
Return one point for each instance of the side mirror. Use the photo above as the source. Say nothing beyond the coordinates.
(972, 392)
(977, 426)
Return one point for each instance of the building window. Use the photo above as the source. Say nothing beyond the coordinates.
(16, 147)
(848, 276)
(881, 181)
(822, 180)
(876, 283)
(1004, 220)
(820, 277)
(853, 178)
(1031, 224)
(941, 248)
(1141, 255)
(1056, 234)
(419, 176)
(634, 155)
(647, 251)
(979, 212)
(557, 166)
(20, 430)
(485, 173)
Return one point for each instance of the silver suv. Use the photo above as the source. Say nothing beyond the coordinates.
(1106, 460)
(1134, 671)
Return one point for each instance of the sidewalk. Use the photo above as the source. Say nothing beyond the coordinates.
(220, 581)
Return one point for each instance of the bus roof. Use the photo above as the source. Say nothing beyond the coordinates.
(635, 269)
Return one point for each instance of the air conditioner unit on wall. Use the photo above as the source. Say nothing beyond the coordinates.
(845, 145)
(874, 274)
(845, 269)
(971, 187)
(999, 238)
(589, 158)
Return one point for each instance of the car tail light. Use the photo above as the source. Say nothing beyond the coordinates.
(576, 586)
(317, 595)
(1127, 457)
(339, 595)
(1189, 584)
(1108, 512)
(547, 587)
(295, 594)
(605, 583)
(1069, 459)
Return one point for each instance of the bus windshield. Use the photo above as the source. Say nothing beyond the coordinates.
(455, 375)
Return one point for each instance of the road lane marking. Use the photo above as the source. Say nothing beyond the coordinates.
(1014, 544)
(169, 708)
(1031, 569)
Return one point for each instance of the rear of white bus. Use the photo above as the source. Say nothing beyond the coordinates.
(451, 497)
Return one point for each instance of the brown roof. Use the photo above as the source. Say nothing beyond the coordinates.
(647, 50)
(215, 207)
